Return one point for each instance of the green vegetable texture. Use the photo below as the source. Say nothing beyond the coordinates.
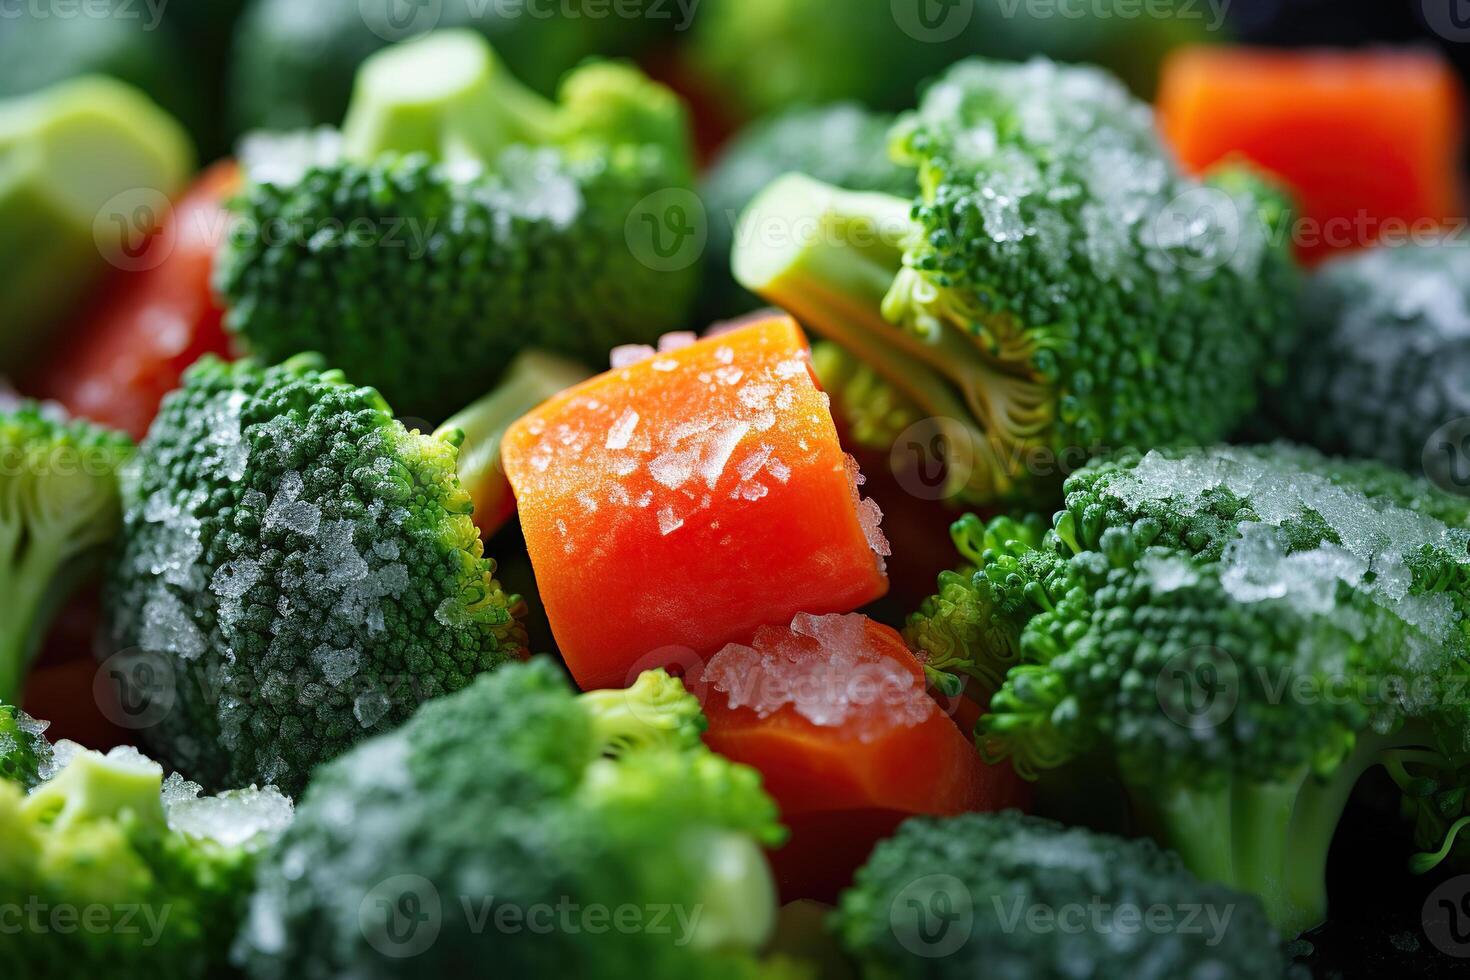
(489, 827)
(59, 512)
(1383, 344)
(293, 62)
(840, 143)
(1010, 896)
(24, 752)
(1237, 634)
(298, 571)
(155, 877)
(1056, 288)
(61, 224)
(469, 220)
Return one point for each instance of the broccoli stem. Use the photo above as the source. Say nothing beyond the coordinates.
(1268, 838)
(446, 95)
(835, 260)
(29, 596)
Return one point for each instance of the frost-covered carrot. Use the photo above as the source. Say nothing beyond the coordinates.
(1364, 138)
(834, 713)
(689, 498)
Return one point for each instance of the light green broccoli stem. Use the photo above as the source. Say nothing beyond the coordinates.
(737, 896)
(1267, 838)
(835, 260)
(447, 95)
(532, 378)
(59, 507)
(96, 787)
(656, 712)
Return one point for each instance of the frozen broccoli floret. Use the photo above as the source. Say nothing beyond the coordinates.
(301, 569)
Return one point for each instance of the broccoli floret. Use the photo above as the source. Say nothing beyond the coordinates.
(841, 144)
(59, 510)
(298, 570)
(1238, 634)
(1058, 287)
(518, 237)
(64, 215)
(1006, 895)
(167, 871)
(497, 818)
(1386, 335)
(24, 752)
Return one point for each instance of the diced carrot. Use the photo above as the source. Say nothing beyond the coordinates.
(131, 343)
(1368, 140)
(685, 500)
(833, 712)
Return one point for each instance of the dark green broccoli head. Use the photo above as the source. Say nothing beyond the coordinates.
(1058, 287)
(59, 511)
(1018, 898)
(157, 875)
(1385, 342)
(841, 144)
(1256, 625)
(302, 568)
(24, 752)
(494, 822)
(424, 277)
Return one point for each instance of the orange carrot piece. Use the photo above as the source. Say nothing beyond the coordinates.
(684, 500)
(833, 712)
(1368, 140)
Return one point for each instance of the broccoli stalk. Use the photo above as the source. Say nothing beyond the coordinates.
(532, 378)
(1048, 309)
(1205, 626)
(59, 508)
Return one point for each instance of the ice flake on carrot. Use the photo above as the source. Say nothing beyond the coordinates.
(730, 503)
